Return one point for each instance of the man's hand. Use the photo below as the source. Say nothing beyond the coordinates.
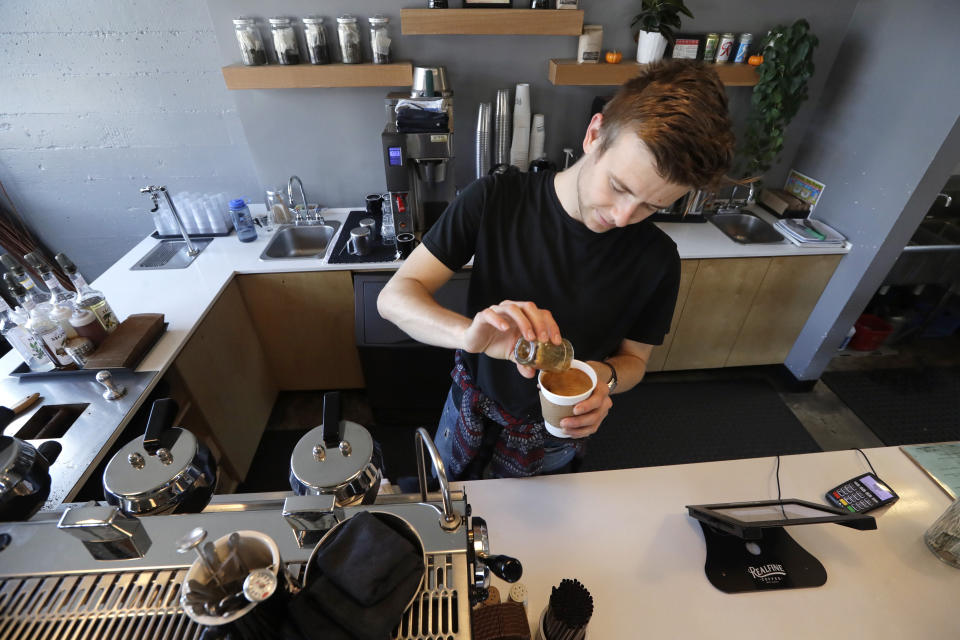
(588, 414)
(495, 330)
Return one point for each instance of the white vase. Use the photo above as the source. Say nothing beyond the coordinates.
(650, 46)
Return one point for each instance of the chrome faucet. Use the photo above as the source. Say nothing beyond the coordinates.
(155, 197)
(305, 217)
(948, 200)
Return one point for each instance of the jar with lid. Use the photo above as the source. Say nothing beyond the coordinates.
(284, 41)
(349, 36)
(316, 37)
(252, 51)
(86, 325)
(380, 39)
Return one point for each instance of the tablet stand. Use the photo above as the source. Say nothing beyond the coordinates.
(775, 561)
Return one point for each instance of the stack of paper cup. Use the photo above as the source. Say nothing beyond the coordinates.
(520, 149)
(483, 140)
(502, 119)
(537, 137)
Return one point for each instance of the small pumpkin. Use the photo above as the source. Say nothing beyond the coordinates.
(614, 57)
(755, 61)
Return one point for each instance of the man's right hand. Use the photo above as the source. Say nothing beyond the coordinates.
(495, 330)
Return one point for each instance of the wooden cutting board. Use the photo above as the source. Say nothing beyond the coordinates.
(126, 346)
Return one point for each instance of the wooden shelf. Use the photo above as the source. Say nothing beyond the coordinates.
(570, 72)
(496, 22)
(313, 76)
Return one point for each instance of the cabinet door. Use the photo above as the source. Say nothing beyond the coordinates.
(789, 291)
(688, 268)
(718, 303)
(305, 325)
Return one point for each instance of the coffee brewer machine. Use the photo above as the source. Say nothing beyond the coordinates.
(418, 151)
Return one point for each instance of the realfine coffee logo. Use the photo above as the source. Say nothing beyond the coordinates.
(768, 573)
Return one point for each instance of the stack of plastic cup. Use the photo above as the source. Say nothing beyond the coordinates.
(200, 213)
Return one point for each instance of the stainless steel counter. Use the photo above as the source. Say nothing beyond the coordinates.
(88, 439)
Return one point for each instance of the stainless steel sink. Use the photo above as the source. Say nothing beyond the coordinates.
(746, 229)
(308, 241)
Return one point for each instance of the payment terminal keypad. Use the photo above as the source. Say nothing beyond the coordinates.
(861, 494)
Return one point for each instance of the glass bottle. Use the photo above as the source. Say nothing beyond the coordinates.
(349, 36)
(22, 340)
(24, 278)
(51, 336)
(87, 297)
(380, 39)
(316, 37)
(242, 221)
(59, 296)
(86, 325)
(252, 51)
(544, 355)
(284, 41)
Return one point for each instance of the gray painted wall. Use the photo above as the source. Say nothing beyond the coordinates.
(331, 137)
(100, 98)
(884, 140)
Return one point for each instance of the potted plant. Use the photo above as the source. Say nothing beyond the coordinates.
(657, 20)
(780, 90)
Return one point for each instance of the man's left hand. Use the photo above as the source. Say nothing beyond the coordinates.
(588, 414)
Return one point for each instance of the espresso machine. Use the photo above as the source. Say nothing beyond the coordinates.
(418, 151)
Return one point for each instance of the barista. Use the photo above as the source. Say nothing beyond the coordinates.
(568, 254)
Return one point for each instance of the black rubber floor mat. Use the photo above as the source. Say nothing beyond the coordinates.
(903, 406)
(679, 422)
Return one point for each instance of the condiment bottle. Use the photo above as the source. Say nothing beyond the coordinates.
(51, 336)
(86, 325)
(22, 340)
(61, 315)
(87, 296)
(545, 356)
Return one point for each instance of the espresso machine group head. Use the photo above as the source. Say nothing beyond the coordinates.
(418, 158)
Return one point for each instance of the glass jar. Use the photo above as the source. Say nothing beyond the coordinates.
(252, 50)
(545, 356)
(242, 221)
(380, 39)
(284, 41)
(349, 36)
(316, 37)
(943, 536)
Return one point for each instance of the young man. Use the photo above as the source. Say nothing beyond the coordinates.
(570, 254)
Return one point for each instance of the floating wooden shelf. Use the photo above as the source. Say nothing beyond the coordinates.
(312, 76)
(496, 22)
(570, 72)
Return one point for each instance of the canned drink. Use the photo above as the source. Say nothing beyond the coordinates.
(744, 47)
(725, 48)
(710, 47)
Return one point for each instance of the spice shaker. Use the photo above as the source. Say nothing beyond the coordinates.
(284, 41)
(380, 39)
(545, 356)
(349, 35)
(252, 51)
(316, 37)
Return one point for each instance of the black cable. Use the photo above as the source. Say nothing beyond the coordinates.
(778, 478)
(867, 459)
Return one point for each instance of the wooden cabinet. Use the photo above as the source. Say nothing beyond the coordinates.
(688, 269)
(790, 289)
(741, 311)
(223, 369)
(305, 324)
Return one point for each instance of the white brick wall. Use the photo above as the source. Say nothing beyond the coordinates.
(98, 99)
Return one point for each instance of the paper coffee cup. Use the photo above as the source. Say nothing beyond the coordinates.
(555, 408)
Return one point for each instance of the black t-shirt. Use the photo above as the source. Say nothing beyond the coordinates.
(600, 287)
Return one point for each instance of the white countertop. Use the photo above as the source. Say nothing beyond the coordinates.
(185, 295)
(627, 537)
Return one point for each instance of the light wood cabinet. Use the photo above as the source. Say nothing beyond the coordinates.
(305, 324)
(224, 371)
(688, 269)
(719, 301)
(790, 289)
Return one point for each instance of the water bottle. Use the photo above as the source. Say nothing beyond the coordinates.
(242, 221)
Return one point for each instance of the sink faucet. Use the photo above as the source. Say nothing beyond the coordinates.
(155, 197)
(305, 218)
(948, 200)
